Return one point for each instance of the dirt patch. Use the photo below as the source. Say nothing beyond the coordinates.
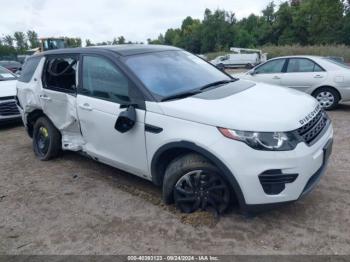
(73, 205)
(198, 219)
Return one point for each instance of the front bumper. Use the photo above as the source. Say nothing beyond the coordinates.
(9, 111)
(246, 164)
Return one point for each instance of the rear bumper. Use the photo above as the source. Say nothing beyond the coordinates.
(344, 93)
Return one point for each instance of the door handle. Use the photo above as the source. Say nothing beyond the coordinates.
(45, 97)
(276, 78)
(86, 107)
(318, 76)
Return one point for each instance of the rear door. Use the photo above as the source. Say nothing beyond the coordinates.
(303, 74)
(271, 72)
(103, 92)
(58, 96)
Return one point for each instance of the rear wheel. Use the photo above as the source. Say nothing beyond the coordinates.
(195, 184)
(46, 139)
(221, 67)
(327, 97)
(249, 66)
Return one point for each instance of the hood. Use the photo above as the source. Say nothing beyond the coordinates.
(8, 88)
(254, 107)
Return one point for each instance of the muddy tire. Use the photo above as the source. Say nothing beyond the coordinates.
(193, 183)
(46, 139)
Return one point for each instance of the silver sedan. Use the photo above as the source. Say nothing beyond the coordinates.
(324, 78)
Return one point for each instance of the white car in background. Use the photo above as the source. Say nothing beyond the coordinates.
(8, 108)
(324, 78)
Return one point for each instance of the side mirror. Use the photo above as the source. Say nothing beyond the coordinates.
(126, 120)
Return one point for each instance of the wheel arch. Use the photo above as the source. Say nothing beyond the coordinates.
(31, 119)
(327, 86)
(165, 154)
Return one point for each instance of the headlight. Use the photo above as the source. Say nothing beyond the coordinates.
(267, 141)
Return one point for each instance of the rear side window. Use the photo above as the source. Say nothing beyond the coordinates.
(271, 67)
(301, 65)
(28, 69)
(60, 73)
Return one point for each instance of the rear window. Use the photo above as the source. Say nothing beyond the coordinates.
(28, 69)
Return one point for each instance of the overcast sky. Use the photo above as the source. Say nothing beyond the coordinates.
(102, 20)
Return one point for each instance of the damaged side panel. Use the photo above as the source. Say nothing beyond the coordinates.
(58, 106)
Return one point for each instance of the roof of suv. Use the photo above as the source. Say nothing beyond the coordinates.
(123, 50)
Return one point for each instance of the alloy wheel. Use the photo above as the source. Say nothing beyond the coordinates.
(201, 190)
(326, 99)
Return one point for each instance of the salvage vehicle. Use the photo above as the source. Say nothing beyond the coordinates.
(8, 108)
(168, 116)
(323, 77)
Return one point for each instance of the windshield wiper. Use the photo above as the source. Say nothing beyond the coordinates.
(217, 83)
(196, 91)
(181, 95)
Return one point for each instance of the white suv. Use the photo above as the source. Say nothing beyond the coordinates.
(168, 116)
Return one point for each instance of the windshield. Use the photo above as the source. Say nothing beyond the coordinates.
(173, 72)
(336, 62)
(6, 75)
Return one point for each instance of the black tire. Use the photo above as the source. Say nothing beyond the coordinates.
(221, 67)
(208, 190)
(331, 93)
(46, 139)
(249, 66)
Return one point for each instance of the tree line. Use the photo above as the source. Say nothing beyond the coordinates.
(20, 42)
(302, 22)
(116, 41)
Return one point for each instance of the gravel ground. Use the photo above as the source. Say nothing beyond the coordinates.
(73, 205)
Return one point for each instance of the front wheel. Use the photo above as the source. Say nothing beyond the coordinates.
(46, 139)
(327, 97)
(196, 184)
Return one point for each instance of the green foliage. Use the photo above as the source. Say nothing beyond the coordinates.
(88, 42)
(33, 39)
(318, 50)
(302, 22)
(21, 41)
(287, 50)
(73, 41)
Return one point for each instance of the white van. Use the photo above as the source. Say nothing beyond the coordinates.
(247, 58)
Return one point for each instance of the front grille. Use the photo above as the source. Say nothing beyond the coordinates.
(7, 98)
(8, 108)
(274, 181)
(312, 129)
